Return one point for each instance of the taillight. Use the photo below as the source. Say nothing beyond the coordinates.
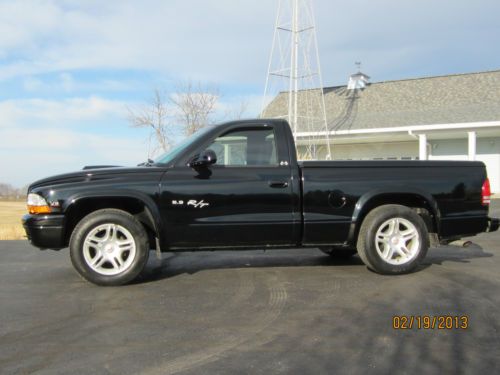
(486, 193)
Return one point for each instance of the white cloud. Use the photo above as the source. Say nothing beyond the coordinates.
(37, 153)
(229, 41)
(24, 23)
(65, 83)
(175, 37)
(42, 137)
(44, 112)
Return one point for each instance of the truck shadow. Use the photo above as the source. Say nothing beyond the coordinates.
(455, 254)
(174, 264)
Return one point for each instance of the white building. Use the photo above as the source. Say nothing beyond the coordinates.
(455, 117)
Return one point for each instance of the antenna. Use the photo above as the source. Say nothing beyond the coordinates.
(294, 71)
(358, 65)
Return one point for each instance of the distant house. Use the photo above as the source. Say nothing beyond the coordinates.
(454, 117)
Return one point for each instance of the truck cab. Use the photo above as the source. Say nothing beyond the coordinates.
(246, 195)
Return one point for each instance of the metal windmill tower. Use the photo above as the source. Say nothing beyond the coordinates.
(295, 72)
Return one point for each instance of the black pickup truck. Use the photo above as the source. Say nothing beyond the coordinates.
(239, 186)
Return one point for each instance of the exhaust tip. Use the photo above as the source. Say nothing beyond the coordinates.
(461, 243)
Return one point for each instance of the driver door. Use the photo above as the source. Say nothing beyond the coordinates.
(245, 199)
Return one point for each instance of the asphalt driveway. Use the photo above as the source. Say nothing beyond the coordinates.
(290, 311)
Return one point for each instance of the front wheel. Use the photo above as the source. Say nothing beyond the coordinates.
(393, 239)
(109, 247)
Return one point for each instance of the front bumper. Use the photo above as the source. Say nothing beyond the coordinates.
(493, 224)
(45, 231)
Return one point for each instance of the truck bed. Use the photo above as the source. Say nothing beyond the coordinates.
(336, 194)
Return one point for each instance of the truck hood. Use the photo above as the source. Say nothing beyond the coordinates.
(93, 174)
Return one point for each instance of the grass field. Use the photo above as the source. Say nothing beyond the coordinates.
(10, 220)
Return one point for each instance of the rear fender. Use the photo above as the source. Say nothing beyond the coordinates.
(403, 195)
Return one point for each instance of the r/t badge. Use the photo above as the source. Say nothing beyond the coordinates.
(192, 203)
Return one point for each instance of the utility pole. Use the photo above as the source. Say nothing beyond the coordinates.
(294, 69)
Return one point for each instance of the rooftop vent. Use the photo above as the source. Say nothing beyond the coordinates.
(358, 80)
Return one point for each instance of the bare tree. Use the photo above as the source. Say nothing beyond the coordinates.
(7, 191)
(155, 116)
(187, 109)
(238, 111)
(195, 105)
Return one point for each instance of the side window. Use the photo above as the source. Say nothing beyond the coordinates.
(246, 147)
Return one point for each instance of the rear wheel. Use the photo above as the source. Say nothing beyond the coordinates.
(393, 239)
(109, 247)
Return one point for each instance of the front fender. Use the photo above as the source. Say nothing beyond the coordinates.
(151, 207)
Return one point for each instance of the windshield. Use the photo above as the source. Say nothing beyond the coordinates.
(170, 155)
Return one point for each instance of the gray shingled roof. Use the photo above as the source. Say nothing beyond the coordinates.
(448, 99)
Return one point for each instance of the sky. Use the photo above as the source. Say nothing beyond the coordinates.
(70, 69)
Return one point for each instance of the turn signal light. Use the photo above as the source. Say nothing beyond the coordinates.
(486, 193)
(35, 210)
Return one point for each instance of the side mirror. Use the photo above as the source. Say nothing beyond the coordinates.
(205, 159)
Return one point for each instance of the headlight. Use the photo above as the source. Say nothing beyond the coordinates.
(37, 204)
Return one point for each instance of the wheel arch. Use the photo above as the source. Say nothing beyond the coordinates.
(423, 203)
(142, 207)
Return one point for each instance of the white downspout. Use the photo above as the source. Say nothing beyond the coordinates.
(472, 145)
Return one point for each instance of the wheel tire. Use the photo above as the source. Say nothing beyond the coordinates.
(114, 238)
(338, 252)
(397, 251)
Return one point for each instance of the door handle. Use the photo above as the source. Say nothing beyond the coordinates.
(278, 184)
